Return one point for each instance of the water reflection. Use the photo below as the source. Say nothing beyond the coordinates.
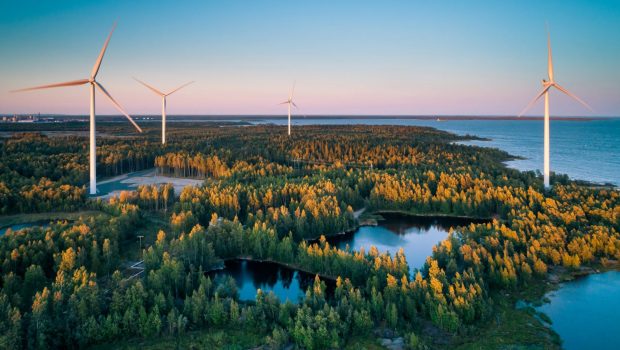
(250, 276)
(417, 235)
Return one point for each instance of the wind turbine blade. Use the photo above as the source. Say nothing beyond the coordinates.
(95, 70)
(300, 111)
(117, 105)
(150, 87)
(293, 103)
(179, 88)
(283, 103)
(549, 56)
(67, 83)
(292, 90)
(573, 96)
(533, 101)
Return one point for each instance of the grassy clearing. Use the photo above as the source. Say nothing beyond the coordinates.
(11, 220)
(152, 223)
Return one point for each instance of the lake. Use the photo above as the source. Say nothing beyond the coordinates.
(417, 235)
(586, 312)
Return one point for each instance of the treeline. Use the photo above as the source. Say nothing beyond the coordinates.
(305, 209)
(454, 194)
(40, 173)
(150, 197)
(212, 166)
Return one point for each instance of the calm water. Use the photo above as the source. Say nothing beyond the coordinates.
(585, 150)
(250, 276)
(22, 226)
(417, 235)
(586, 312)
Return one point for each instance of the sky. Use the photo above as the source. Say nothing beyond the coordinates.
(355, 57)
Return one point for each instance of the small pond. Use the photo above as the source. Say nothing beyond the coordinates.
(18, 227)
(415, 234)
(250, 276)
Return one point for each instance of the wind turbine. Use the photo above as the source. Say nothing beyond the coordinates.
(547, 85)
(163, 104)
(290, 102)
(93, 83)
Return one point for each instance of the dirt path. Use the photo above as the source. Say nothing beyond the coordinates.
(357, 213)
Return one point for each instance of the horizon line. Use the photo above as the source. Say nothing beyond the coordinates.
(322, 115)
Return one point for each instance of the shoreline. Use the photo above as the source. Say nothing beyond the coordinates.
(279, 263)
(434, 214)
(375, 221)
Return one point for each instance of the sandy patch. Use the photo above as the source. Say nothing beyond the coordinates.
(150, 177)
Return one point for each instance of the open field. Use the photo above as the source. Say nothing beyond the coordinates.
(150, 177)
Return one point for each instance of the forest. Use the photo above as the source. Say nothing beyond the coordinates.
(270, 197)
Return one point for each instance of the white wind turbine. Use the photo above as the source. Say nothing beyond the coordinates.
(93, 83)
(547, 85)
(290, 103)
(163, 104)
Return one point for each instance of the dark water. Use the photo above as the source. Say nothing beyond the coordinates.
(586, 312)
(22, 226)
(584, 150)
(417, 235)
(250, 276)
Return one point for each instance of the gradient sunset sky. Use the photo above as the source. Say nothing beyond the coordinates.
(348, 57)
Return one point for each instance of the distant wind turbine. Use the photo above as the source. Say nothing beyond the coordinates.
(547, 85)
(163, 104)
(93, 83)
(290, 102)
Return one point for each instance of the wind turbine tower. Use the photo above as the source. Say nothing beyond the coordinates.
(163, 104)
(290, 103)
(547, 85)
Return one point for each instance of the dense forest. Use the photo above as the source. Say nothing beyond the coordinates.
(270, 197)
